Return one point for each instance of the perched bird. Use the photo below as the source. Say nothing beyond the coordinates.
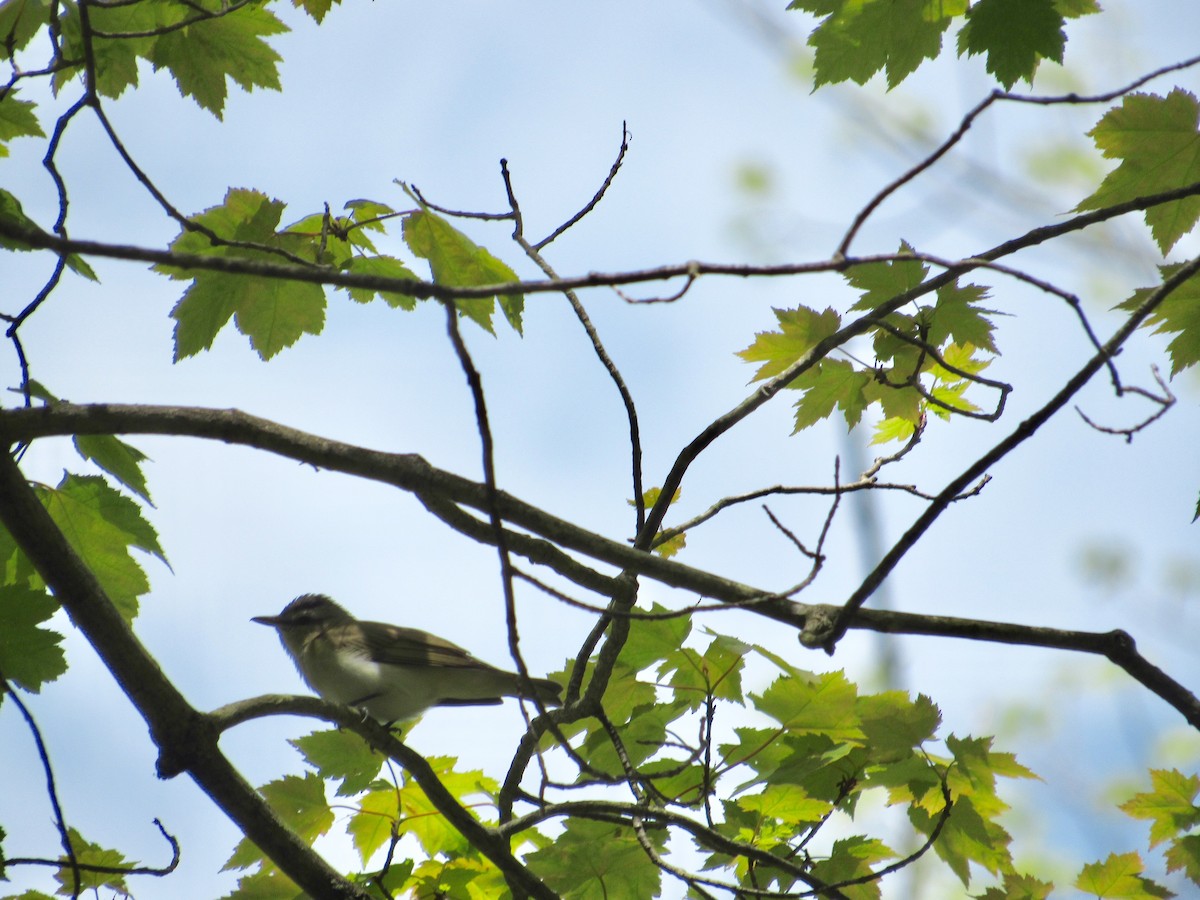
(390, 672)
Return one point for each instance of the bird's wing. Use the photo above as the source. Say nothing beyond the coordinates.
(398, 646)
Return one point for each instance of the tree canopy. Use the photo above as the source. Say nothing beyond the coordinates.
(705, 748)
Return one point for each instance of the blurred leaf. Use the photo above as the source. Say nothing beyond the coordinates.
(17, 119)
(30, 655)
(1169, 805)
(383, 267)
(1178, 313)
(91, 854)
(119, 459)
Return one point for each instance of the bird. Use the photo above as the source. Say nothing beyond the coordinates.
(393, 674)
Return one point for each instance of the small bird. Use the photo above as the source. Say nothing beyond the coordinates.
(392, 673)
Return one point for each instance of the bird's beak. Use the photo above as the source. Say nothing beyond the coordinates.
(272, 621)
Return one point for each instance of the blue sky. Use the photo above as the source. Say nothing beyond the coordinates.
(436, 96)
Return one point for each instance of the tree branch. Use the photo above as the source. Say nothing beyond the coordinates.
(185, 738)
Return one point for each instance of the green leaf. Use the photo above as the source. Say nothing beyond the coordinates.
(830, 383)
(1015, 35)
(456, 261)
(883, 281)
(652, 640)
(1169, 805)
(272, 312)
(1184, 854)
(851, 858)
(1158, 143)
(101, 526)
(799, 331)
(17, 119)
(20, 20)
(93, 855)
(958, 317)
(859, 37)
(788, 803)
(30, 655)
(383, 267)
(266, 884)
(202, 55)
(597, 861)
(119, 459)
(410, 811)
(817, 704)
(319, 8)
(894, 725)
(300, 803)
(966, 837)
(1119, 876)
(1179, 314)
(1018, 887)
(342, 755)
(12, 213)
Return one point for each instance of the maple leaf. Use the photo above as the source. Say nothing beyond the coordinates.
(857, 39)
(1158, 143)
(1169, 806)
(201, 56)
(1015, 35)
(1178, 313)
(800, 330)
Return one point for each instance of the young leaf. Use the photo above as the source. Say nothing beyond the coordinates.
(1018, 887)
(300, 803)
(1015, 35)
(1169, 805)
(1158, 143)
(93, 855)
(1179, 313)
(17, 119)
(30, 655)
(1119, 876)
(800, 329)
(456, 261)
(830, 383)
(272, 312)
(384, 267)
(342, 755)
(882, 281)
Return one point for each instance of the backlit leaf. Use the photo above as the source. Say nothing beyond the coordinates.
(1158, 143)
